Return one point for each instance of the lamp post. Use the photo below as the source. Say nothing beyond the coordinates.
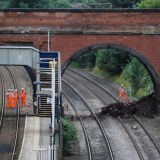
(53, 110)
(48, 40)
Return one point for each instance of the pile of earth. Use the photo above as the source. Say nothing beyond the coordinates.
(145, 106)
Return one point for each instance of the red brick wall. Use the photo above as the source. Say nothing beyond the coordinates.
(135, 21)
(68, 45)
(73, 30)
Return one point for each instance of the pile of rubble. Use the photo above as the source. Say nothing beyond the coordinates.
(145, 106)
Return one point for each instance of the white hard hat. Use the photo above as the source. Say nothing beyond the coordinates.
(22, 88)
(9, 90)
(121, 85)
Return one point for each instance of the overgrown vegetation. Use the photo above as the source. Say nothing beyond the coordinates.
(136, 76)
(149, 4)
(79, 3)
(111, 60)
(69, 135)
(119, 66)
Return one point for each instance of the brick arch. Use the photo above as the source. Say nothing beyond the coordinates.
(74, 29)
(147, 64)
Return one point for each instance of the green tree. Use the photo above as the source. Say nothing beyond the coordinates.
(112, 60)
(14, 3)
(87, 60)
(123, 3)
(138, 76)
(4, 4)
(62, 4)
(149, 4)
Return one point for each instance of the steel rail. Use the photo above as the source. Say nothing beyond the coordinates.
(97, 120)
(132, 139)
(147, 132)
(83, 127)
(92, 76)
(3, 100)
(124, 126)
(134, 117)
(114, 88)
(18, 113)
(97, 84)
(86, 87)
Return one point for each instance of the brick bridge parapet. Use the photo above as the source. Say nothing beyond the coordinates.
(73, 31)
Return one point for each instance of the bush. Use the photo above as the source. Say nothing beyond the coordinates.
(138, 77)
(69, 134)
(149, 4)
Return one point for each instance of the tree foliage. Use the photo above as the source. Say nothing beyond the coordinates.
(14, 3)
(111, 60)
(4, 4)
(138, 76)
(63, 3)
(117, 62)
(87, 60)
(123, 3)
(149, 4)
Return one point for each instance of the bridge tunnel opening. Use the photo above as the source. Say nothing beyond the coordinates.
(121, 65)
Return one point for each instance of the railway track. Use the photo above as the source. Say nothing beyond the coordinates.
(119, 119)
(99, 150)
(2, 99)
(152, 140)
(157, 147)
(145, 143)
(9, 120)
(106, 87)
(83, 127)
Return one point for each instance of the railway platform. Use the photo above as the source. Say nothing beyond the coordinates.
(36, 134)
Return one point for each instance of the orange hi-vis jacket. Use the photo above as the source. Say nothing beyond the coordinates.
(9, 100)
(14, 100)
(23, 98)
(121, 92)
(125, 95)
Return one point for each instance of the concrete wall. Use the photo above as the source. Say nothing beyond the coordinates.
(19, 56)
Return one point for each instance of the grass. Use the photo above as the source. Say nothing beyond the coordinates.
(104, 75)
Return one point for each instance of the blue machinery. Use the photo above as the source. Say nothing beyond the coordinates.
(48, 92)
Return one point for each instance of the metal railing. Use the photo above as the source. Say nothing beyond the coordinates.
(42, 152)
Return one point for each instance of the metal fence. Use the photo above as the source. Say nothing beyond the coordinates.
(43, 152)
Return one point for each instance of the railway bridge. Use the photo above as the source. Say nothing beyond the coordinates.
(74, 31)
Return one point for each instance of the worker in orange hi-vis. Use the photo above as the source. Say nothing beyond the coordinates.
(9, 99)
(15, 99)
(23, 97)
(121, 93)
(12, 98)
(126, 99)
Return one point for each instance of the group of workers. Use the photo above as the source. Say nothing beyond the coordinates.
(123, 94)
(12, 98)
